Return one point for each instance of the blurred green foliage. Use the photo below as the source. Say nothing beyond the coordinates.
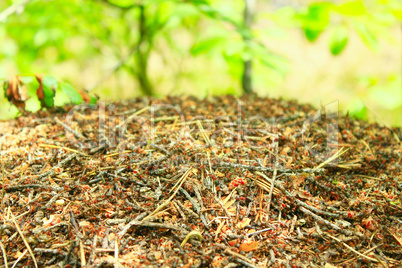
(126, 34)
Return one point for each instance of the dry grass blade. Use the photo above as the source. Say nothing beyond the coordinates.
(352, 249)
(189, 235)
(223, 207)
(399, 240)
(350, 164)
(177, 186)
(4, 255)
(237, 255)
(19, 258)
(64, 148)
(332, 158)
(82, 255)
(204, 135)
(366, 252)
(265, 184)
(2, 186)
(23, 238)
(273, 177)
(131, 117)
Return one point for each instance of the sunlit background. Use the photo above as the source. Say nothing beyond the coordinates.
(314, 52)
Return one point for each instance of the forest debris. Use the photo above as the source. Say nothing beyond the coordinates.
(352, 249)
(16, 92)
(4, 254)
(23, 238)
(112, 212)
(248, 246)
(196, 234)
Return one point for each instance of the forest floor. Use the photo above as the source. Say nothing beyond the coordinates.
(179, 182)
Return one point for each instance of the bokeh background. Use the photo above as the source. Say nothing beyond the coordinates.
(313, 51)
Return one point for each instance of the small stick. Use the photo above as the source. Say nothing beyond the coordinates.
(180, 183)
(237, 255)
(222, 163)
(37, 231)
(246, 263)
(223, 206)
(61, 148)
(328, 223)
(82, 255)
(47, 250)
(273, 177)
(19, 258)
(128, 225)
(116, 250)
(159, 148)
(366, 252)
(259, 232)
(198, 195)
(51, 171)
(195, 205)
(300, 203)
(352, 249)
(23, 238)
(179, 210)
(189, 211)
(131, 117)
(4, 255)
(20, 187)
(156, 225)
(69, 129)
(329, 160)
(206, 138)
(94, 242)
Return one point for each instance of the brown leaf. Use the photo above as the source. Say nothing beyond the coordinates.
(16, 92)
(39, 91)
(84, 96)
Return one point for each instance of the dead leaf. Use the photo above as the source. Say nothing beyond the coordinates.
(243, 223)
(248, 246)
(39, 92)
(84, 96)
(298, 181)
(16, 92)
(232, 243)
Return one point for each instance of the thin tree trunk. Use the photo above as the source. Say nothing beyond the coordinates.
(142, 56)
(249, 9)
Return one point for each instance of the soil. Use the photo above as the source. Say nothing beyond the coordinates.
(180, 182)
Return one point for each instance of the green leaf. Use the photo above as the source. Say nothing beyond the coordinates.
(352, 8)
(26, 79)
(93, 100)
(207, 45)
(315, 20)
(49, 81)
(311, 35)
(338, 40)
(367, 36)
(49, 87)
(73, 94)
